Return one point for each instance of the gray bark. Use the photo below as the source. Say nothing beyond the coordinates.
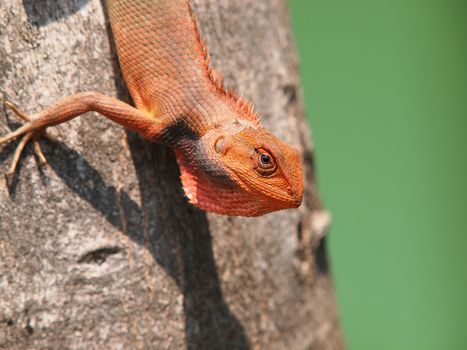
(101, 250)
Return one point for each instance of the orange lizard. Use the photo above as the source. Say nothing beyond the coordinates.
(229, 163)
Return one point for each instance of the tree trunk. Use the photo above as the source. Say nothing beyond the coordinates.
(101, 250)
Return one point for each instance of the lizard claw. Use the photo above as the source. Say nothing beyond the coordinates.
(16, 110)
(26, 137)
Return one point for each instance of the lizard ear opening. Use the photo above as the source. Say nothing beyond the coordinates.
(220, 145)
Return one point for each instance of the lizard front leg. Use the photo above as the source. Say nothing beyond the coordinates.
(145, 123)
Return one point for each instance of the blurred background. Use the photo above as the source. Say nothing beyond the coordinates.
(385, 84)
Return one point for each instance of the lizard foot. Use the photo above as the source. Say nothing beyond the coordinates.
(33, 135)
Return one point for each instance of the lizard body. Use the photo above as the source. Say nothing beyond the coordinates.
(229, 163)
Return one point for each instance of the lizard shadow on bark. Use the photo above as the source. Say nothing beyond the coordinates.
(43, 12)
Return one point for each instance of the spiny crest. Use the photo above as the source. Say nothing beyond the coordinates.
(243, 107)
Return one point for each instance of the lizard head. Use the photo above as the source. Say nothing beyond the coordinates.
(249, 172)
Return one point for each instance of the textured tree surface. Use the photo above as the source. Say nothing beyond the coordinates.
(101, 250)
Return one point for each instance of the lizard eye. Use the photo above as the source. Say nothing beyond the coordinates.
(265, 159)
(265, 163)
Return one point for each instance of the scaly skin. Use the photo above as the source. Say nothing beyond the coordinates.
(229, 163)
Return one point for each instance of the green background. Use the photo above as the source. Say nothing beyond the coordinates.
(385, 84)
